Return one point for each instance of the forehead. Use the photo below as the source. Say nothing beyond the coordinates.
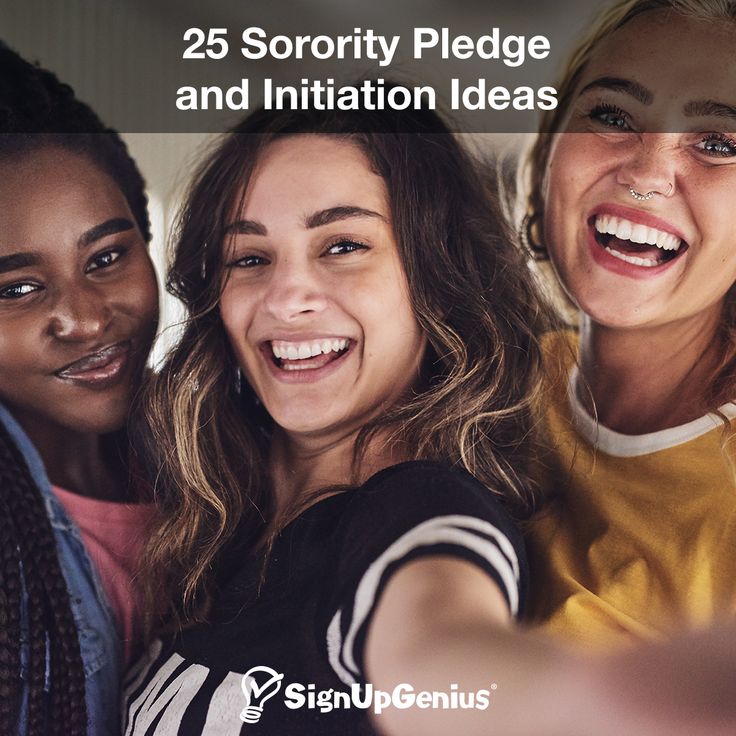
(676, 57)
(50, 195)
(303, 174)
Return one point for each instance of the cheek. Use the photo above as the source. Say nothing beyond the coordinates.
(22, 366)
(715, 218)
(141, 292)
(714, 215)
(148, 301)
(391, 327)
(714, 277)
(19, 349)
(576, 179)
(577, 162)
(236, 312)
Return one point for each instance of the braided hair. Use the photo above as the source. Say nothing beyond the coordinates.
(37, 111)
(28, 545)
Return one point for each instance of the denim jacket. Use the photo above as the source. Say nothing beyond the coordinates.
(98, 636)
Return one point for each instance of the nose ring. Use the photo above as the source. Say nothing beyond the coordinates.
(640, 197)
(645, 197)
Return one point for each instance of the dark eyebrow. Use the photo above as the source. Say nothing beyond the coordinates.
(246, 227)
(335, 214)
(709, 108)
(627, 86)
(317, 219)
(110, 227)
(18, 260)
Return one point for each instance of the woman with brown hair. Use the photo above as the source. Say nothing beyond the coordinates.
(343, 428)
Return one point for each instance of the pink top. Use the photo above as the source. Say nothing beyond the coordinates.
(114, 534)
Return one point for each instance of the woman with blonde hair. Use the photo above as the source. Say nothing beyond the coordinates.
(633, 181)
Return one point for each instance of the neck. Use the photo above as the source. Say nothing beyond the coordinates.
(647, 379)
(87, 464)
(301, 466)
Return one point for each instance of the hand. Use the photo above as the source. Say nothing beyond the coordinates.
(686, 687)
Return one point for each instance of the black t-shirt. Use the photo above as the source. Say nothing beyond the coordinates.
(307, 616)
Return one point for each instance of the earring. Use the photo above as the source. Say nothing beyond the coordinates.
(528, 235)
(203, 266)
(238, 381)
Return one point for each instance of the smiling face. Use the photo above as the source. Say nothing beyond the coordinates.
(78, 295)
(654, 113)
(315, 300)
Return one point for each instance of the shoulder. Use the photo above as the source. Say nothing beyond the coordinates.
(405, 513)
(423, 508)
(433, 484)
(421, 492)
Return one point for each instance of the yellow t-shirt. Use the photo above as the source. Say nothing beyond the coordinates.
(641, 537)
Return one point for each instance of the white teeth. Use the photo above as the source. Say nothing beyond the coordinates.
(632, 259)
(636, 233)
(304, 350)
(670, 242)
(639, 234)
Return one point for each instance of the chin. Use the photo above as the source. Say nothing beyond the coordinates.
(102, 419)
(309, 421)
(299, 425)
(614, 316)
(613, 307)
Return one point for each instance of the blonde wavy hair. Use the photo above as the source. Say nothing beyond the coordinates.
(617, 15)
(205, 437)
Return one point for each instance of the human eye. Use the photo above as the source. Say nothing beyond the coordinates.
(248, 261)
(18, 290)
(344, 246)
(717, 145)
(610, 116)
(104, 259)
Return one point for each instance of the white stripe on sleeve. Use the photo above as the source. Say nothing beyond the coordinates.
(462, 531)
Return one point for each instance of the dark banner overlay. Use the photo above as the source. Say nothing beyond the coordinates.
(185, 67)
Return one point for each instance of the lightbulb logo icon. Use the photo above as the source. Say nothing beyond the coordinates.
(258, 685)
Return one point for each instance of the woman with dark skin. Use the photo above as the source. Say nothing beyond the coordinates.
(78, 313)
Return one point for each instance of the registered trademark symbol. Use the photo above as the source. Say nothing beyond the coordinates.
(494, 686)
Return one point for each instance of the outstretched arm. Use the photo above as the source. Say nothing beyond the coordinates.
(442, 620)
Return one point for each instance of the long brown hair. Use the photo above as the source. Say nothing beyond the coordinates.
(206, 437)
(722, 384)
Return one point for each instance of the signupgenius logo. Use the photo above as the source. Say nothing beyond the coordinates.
(261, 683)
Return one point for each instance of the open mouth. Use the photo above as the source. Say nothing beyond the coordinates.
(308, 354)
(635, 243)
